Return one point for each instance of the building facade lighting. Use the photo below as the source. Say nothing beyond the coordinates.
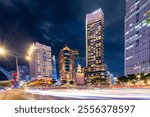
(40, 61)
(95, 67)
(137, 36)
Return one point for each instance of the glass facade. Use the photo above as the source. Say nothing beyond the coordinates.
(137, 37)
(66, 64)
(95, 67)
(54, 70)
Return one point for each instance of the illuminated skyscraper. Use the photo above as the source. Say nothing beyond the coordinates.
(40, 63)
(95, 67)
(137, 37)
(54, 71)
(66, 64)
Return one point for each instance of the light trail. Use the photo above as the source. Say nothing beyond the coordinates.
(1, 90)
(95, 94)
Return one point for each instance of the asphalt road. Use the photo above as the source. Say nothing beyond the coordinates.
(21, 95)
(91, 94)
(118, 94)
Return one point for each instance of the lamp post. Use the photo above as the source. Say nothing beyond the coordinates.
(17, 67)
(139, 76)
(139, 71)
(4, 52)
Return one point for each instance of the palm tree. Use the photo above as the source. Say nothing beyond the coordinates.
(142, 77)
(132, 79)
(122, 80)
(147, 77)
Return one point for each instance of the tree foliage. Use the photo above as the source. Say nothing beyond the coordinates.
(133, 79)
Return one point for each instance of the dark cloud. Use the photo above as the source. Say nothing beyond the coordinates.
(61, 22)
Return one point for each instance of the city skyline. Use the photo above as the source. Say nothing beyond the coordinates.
(69, 30)
(75, 50)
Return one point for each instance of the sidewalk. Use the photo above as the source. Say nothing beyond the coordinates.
(15, 95)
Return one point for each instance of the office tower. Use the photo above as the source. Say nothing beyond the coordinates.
(40, 62)
(54, 70)
(66, 64)
(23, 71)
(137, 37)
(95, 67)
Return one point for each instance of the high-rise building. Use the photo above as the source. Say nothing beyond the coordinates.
(137, 37)
(40, 62)
(54, 70)
(66, 64)
(95, 67)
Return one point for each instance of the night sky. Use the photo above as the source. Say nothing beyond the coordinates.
(58, 23)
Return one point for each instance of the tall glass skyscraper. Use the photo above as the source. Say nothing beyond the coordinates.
(54, 70)
(137, 37)
(95, 67)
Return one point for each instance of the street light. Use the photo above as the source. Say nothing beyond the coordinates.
(3, 52)
(28, 58)
(30, 52)
(31, 49)
(139, 75)
(139, 78)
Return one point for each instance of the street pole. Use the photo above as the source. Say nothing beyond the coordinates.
(139, 74)
(17, 68)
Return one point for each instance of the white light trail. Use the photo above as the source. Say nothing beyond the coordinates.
(94, 94)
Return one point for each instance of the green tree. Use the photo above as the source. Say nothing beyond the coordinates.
(147, 76)
(132, 79)
(122, 80)
(148, 15)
